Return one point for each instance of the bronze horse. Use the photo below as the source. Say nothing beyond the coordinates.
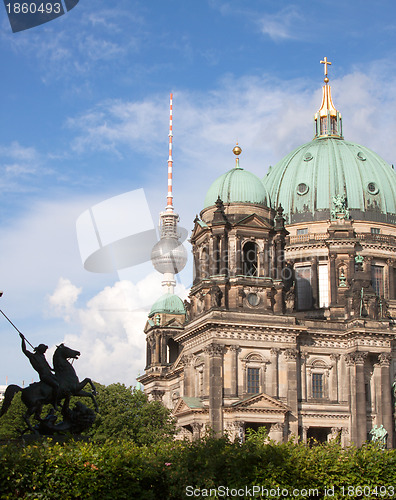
(39, 393)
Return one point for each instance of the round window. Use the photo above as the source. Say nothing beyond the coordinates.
(308, 157)
(361, 156)
(302, 188)
(253, 299)
(372, 188)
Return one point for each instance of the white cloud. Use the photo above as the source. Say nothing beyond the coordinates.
(110, 327)
(283, 25)
(63, 300)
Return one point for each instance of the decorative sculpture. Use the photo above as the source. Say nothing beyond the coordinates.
(290, 300)
(52, 389)
(379, 435)
(340, 209)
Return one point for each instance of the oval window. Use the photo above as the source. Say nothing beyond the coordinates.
(302, 188)
(308, 157)
(372, 188)
(253, 299)
(361, 156)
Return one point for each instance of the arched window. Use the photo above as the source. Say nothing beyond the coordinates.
(249, 259)
(173, 351)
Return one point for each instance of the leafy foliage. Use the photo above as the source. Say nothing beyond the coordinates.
(122, 469)
(12, 422)
(126, 413)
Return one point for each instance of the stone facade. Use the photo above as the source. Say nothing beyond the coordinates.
(287, 328)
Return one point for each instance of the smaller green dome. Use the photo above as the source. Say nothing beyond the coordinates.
(237, 185)
(168, 303)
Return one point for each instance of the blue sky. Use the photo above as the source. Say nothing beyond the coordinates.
(84, 116)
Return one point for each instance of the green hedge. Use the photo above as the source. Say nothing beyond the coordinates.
(124, 470)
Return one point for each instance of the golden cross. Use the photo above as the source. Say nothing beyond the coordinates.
(325, 62)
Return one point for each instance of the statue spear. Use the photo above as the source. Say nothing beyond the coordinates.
(8, 319)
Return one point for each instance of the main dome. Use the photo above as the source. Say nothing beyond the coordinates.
(237, 185)
(308, 178)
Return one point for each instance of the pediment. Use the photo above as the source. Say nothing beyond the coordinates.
(175, 323)
(188, 405)
(254, 220)
(261, 402)
(200, 227)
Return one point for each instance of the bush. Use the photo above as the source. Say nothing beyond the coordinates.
(123, 469)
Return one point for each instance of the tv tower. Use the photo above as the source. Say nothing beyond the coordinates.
(169, 255)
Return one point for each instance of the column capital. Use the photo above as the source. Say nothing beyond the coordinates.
(274, 351)
(354, 358)
(214, 349)
(188, 359)
(384, 359)
(157, 394)
(234, 348)
(278, 426)
(291, 354)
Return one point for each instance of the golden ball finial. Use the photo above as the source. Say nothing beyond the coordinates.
(326, 80)
(237, 150)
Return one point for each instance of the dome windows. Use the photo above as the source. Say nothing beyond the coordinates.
(308, 157)
(360, 156)
(302, 189)
(372, 188)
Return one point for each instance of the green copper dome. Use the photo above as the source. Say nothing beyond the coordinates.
(168, 303)
(237, 185)
(306, 180)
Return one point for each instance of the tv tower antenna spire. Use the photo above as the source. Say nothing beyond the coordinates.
(169, 205)
(169, 255)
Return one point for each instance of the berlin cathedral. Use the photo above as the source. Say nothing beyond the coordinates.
(290, 321)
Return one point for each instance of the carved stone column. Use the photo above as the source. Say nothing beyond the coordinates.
(334, 395)
(386, 396)
(276, 432)
(274, 378)
(215, 352)
(189, 382)
(238, 256)
(163, 350)
(213, 255)
(291, 356)
(333, 280)
(391, 278)
(234, 370)
(266, 260)
(304, 357)
(157, 349)
(355, 361)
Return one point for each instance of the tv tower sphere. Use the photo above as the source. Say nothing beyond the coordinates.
(169, 256)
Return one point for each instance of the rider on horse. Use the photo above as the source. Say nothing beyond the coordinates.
(40, 364)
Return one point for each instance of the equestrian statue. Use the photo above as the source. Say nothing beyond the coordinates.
(56, 386)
